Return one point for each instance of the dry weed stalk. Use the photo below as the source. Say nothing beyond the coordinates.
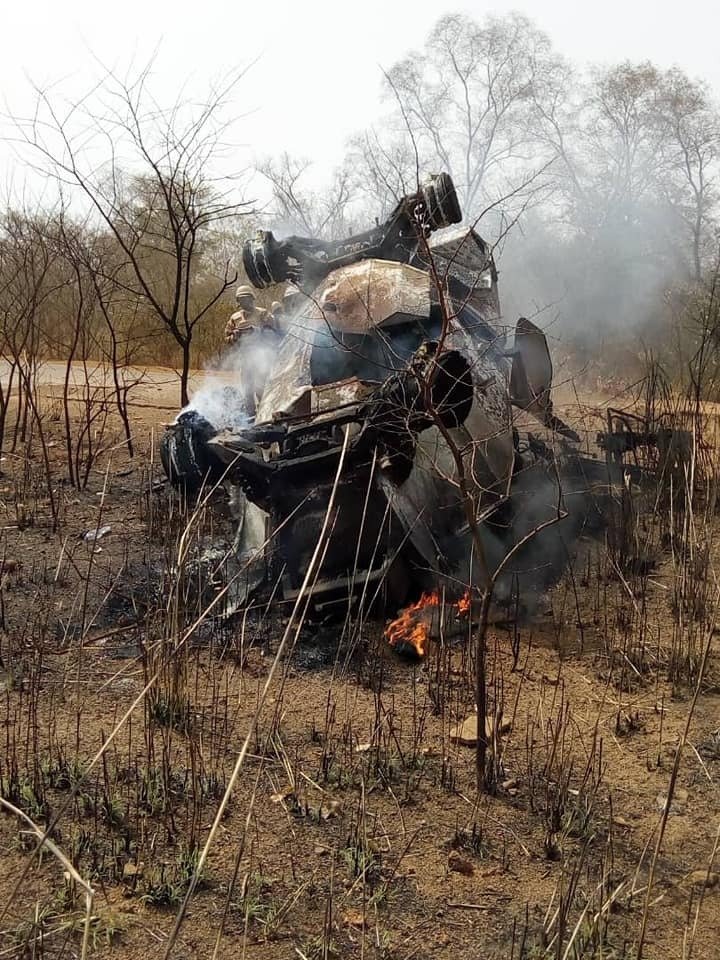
(294, 624)
(45, 841)
(673, 782)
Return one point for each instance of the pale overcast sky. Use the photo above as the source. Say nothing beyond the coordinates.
(317, 71)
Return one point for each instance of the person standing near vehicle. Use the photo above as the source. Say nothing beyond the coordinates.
(250, 330)
(277, 315)
(293, 300)
(247, 317)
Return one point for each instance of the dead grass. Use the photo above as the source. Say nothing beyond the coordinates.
(355, 828)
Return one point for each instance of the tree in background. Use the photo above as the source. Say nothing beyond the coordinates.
(150, 182)
(692, 158)
(610, 175)
(31, 282)
(467, 104)
(634, 215)
(469, 101)
(299, 210)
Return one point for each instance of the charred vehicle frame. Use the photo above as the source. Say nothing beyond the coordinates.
(398, 360)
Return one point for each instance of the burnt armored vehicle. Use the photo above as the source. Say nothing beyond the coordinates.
(397, 362)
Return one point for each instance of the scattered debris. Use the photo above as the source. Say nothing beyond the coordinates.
(466, 733)
(354, 918)
(91, 536)
(333, 808)
(281, 795)
(710, 747)
(472, 906)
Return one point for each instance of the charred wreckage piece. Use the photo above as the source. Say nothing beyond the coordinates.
(306, 262)
(397, 355)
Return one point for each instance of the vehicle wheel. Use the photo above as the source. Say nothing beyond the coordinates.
(264, 264)
(186, 459)
(441, 202)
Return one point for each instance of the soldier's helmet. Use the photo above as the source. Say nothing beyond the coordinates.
(276, 307)
(244, 291)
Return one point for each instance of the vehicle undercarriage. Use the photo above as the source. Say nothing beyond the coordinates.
(389, 419)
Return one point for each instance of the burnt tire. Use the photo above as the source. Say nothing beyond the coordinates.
(188, 462)
(264, 262)
(441, 201)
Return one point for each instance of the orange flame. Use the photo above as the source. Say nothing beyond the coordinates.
(409, 631)
(463, 604)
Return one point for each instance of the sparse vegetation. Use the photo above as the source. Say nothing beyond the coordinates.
(354, 796)
(172, 789)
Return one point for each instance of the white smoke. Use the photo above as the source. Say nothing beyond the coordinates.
(602, 296)
(220, 396)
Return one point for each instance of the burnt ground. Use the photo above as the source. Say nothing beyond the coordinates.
(355, 827)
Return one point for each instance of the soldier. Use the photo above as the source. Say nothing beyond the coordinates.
(291, 303)
(277, 315)
(292, 300)
(247, 317)
(251, 330)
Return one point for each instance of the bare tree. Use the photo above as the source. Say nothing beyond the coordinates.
(382, 163)
(99, 337)
(626, 207)
(692, 152)
(633, 212)
(30, 283)
(301, 210)
(469, 99)
(621, 139)
(147, 176)
(637, 153)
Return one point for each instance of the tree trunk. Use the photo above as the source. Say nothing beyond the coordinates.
(697, 263)
(185, 373)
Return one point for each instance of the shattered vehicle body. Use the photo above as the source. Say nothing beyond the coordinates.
(388, 418)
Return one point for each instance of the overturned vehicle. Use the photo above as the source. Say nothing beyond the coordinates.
(386, 422)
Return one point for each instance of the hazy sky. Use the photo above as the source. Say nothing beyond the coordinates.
(317, 70)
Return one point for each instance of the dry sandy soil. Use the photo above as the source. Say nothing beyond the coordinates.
(355, 828)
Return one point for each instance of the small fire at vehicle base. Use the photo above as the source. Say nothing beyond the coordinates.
(425, 622)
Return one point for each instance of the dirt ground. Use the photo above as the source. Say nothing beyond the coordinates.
(355, 828)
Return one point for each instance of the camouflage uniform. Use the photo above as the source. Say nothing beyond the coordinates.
(251, 330)
(247, 318)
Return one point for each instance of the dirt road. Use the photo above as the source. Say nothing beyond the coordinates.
(149, 386)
